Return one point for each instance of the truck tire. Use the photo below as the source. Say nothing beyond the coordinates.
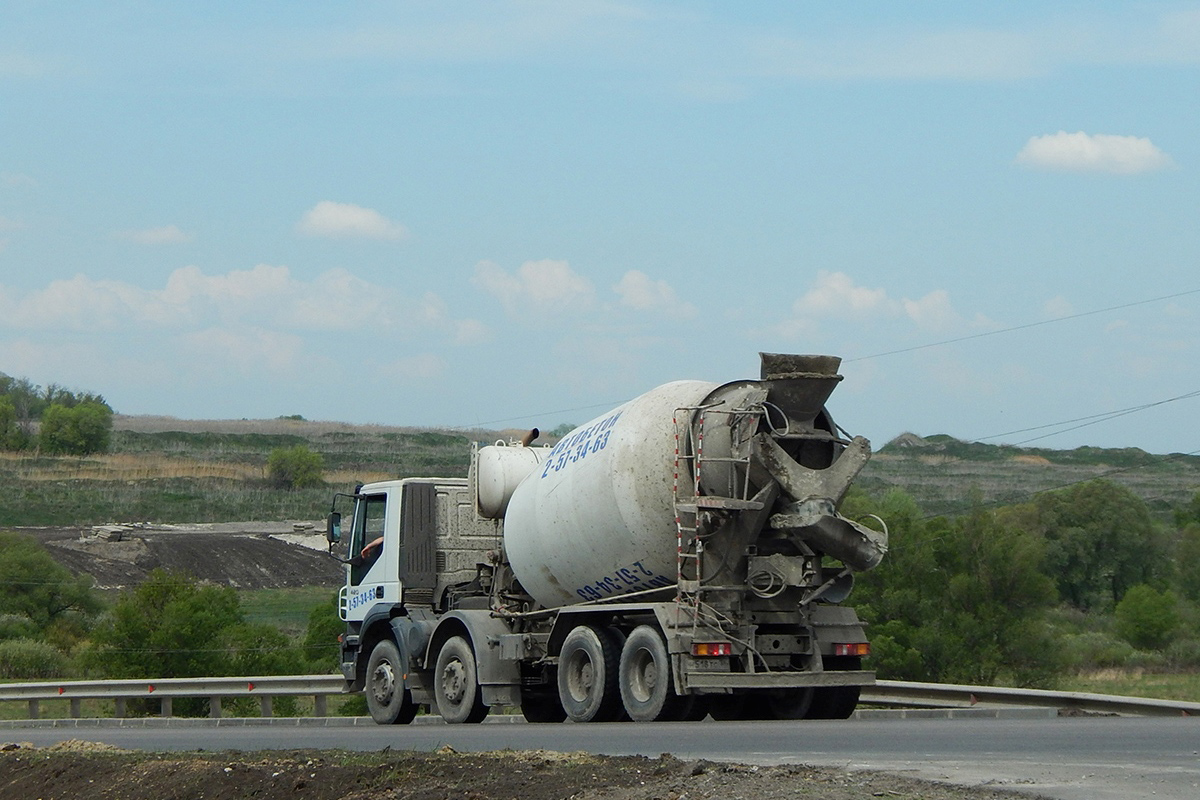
(587, 675)
(645, 678)
(836, 702)
(792, 703)
(542, 707)
(389, 702)
(456, 689)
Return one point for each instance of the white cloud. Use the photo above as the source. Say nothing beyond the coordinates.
(1057, 307)
(901, 53)
(835, 295)
(268, 296)
(642, 293)
(933, 311)
(168, 234)
(348, 221)
(7, 224)
(16, 179)
(19, 65)
(1100, 152)
(423, 366)
(251, 351)
(545, 287)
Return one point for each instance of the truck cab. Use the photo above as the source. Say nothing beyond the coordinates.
(413, 551)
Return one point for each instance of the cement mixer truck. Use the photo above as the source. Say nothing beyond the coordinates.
(679, 556)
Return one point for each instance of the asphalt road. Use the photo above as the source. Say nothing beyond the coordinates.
(1074, 758)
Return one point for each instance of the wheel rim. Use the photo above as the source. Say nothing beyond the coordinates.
(581, 677)
(644, 676)
(383, 682)
(454, 682)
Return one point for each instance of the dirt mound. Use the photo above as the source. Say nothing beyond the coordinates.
(73, 773)
(241, 555)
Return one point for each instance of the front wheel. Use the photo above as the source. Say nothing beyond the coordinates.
(645, 679)
(389, 702)
(456, 689)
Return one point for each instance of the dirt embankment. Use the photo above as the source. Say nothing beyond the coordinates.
(250, 555)
(73, 770)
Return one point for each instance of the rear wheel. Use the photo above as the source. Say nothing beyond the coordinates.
(542, 707)
(794, 703)
(727, 707)
(456, 689)
(587, 675)
(387, 699)
(836, 702)
(645, 679)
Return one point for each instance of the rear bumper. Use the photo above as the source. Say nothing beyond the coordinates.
(778, 680)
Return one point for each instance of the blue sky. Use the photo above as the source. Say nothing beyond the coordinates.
(520, 213)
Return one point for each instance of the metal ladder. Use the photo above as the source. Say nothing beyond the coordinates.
(689, 503)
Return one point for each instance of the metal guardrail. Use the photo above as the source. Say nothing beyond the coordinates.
(896, 694)
(907, 694)
(166, 689)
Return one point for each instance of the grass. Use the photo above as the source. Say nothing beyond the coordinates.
(1136, 683)
(163, 470)
(286, 609)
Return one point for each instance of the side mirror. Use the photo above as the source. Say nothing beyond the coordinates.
(333, 527)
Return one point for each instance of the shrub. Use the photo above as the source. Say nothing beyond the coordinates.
(1096, 650)
(1147, 618)
(27, 659)
(81, 430)
(322, 652)
(295, 468)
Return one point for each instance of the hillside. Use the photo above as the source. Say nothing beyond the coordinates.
(165, 470)
(942, 472)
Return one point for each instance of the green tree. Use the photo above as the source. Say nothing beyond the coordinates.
(1100, 541)
(295, 467)
(321, 649)
(1187, 562)
(955, 600)
(12, 435)
(84, 429)
(34, 587)
(1147, 618)
(173, 627)
(169, 627)
(1189, 513)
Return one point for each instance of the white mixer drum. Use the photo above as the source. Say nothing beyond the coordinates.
(597, 519)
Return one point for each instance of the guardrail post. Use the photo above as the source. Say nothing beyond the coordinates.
(33, 709)
(76, 708)
(320, 709)
(214, 707)
(264, 705)
(166, 707)
(119, 708)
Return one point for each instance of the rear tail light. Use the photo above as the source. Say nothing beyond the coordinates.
(712, 649)
(852, 649)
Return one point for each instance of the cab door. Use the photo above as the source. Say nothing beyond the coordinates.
(374, 556)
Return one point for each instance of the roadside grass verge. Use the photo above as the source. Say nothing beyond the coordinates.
(1136, 683)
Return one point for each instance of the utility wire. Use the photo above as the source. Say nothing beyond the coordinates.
(1022, 327)
(1093, 419)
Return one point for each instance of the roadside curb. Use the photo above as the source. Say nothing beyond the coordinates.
(499, 719)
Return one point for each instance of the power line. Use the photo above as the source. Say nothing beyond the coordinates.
(1021, 327)
(1092, 419)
